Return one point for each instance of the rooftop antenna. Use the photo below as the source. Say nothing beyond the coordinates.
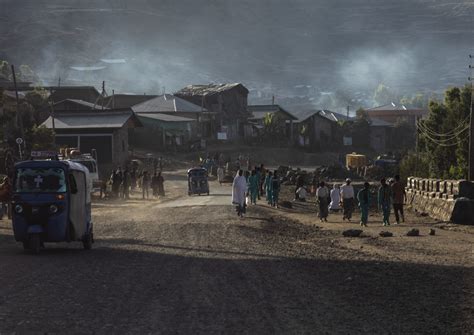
(273, 99)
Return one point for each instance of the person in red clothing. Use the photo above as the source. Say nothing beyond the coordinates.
(5, 197)
(399, 198)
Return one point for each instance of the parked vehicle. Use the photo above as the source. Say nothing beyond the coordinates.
(51, 203)
(197, 181)
(89, 160)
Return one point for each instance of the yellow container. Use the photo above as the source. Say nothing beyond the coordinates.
(354, 160)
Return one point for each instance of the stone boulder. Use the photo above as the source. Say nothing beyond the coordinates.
(352, 233)
(463, 212)
(386, 234)
(413, 232)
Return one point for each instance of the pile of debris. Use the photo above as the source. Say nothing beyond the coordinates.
(326, 173)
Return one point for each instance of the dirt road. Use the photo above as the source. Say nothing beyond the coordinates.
(188, 265)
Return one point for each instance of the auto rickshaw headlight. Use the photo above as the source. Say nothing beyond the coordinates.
(53, 209)
(19, 209)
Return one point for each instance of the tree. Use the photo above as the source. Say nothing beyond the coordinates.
(443, 135)
(412, 164)
(383, 95)
(361, 129)
(25, 73)
(273, 127)
(40, 138)
(419, 100)
(5, 70)
(38, 99)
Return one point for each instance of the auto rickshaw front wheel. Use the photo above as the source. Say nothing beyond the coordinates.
(34, 243)
(87, 241)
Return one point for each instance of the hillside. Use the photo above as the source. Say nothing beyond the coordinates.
(275, 47)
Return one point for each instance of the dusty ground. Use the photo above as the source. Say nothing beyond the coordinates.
(188, 265)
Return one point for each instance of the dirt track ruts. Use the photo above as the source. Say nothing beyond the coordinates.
(198, 269)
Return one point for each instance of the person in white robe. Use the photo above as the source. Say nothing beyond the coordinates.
(220, 174)
(335, 204)
(239, 192)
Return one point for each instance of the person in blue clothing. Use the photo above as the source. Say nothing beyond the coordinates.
(275, 189)
(385, 201)
(253, 187)
(268, 187)
(258, 173)
(363, 197)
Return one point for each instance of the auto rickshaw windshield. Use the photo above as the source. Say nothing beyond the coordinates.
(29, 180)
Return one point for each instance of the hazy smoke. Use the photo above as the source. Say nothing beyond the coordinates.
(275, 47)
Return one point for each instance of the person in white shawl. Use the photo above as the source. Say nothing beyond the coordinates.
(239, 192)
(335, 205)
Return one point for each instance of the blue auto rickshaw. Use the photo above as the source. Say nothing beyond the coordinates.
(197, 181)
(51, 203)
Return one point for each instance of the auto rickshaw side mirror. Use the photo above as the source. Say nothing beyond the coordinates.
(72, 184)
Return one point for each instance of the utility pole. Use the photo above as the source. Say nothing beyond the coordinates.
(19, 120)
(417, 145)
(103, 94)
(470, 176)
(348, 107)
(51, 103)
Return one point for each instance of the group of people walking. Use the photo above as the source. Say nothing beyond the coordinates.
(125, 182)
(344, 197)
(250, 186)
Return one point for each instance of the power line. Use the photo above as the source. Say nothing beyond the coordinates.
(442, 136)
(444, 142)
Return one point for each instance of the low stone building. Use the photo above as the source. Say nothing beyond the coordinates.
(162, 131)
(285, 119)
(106, 132)
(315, 129)
(169, 121)
(227, 103)
(380, 131)
(393, 112)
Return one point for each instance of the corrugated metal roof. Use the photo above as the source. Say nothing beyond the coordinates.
(388, 107)
(167, 103)
(336, 117)
(76, 120)
(259, 111)
(209, 89)
(83, 103)
(126, 100)
(165, 117)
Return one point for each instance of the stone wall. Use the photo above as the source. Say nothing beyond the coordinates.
(445, 200)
